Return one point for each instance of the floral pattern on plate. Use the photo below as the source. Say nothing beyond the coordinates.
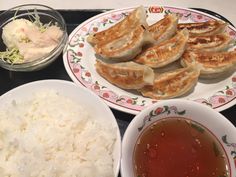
(79, 60)
(232, 146)
(161, 110)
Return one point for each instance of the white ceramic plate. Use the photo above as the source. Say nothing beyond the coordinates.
(79, 60)
(223, 130)
(76, 93)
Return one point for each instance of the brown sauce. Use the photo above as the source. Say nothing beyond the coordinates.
(178, 147)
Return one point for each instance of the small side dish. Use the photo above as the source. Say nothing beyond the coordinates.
(179, 145)
(176, 137)
(29, 40)
(32, 37)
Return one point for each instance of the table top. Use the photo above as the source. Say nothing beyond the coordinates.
(225, 8)
(56, 70)
(10, 80)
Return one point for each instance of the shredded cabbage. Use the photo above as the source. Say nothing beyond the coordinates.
(11, 56)
(36, 20)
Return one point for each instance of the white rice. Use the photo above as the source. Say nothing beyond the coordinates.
(53, 136)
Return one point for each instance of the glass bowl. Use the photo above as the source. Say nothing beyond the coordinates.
(47, 15)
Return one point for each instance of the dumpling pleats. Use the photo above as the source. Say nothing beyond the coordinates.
(126, 47)
(135, 18)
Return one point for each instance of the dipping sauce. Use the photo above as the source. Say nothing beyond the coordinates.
(178, 147)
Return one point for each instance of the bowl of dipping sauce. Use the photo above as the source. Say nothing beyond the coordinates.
(176, 138)
(32, 37)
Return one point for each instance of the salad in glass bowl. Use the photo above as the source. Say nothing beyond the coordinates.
(32, 36)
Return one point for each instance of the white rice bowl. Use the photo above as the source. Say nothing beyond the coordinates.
(54, 128)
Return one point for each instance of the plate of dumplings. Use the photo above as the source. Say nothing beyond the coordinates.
(136, 56)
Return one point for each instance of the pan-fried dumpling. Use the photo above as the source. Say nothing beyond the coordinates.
(211, 64)
(204, 28)
(172, 84)
(125, 47)
(212, 43)
(166, 52)
(126, 75)
(165, 28)
(136, 17)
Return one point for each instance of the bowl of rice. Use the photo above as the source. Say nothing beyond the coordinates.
(50, 128)
(32, 36)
